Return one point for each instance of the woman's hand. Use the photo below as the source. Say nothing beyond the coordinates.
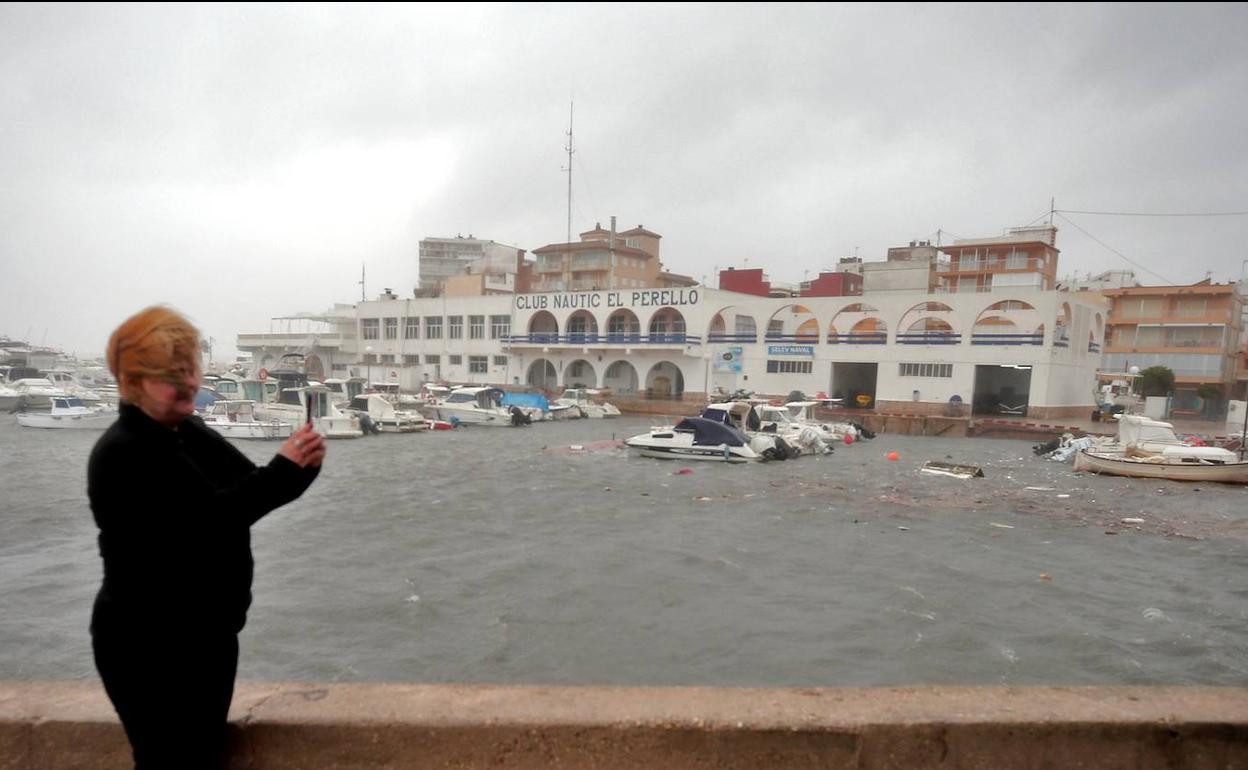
(306, 448)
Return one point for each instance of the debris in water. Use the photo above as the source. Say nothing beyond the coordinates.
(893, 457)
(1132, 521)
(1045, 577)
(937, 468)
(684, 472)
(1041, 489)
(1063, 495)
(904, 529)
(1002, 526)
(703, 499)
(1152, 613)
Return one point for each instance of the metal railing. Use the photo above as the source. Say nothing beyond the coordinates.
(552, 338)
(1007, 339)
(929, 338)
(860, 338)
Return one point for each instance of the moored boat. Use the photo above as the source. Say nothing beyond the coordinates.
(67, 412)
(237, 419)
(1174, 464)
(696, 438)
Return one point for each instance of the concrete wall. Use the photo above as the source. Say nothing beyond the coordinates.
(393, 727)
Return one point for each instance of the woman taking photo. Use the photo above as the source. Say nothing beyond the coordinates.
(174, 502)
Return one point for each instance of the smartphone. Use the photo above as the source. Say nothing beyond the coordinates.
(309, 407)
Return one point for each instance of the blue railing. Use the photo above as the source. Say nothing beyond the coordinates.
(1061, 342)
(721, 337)
(550, 338)
(929, 338)
(861, 338)
(1007, 339)
(805, 339)
(1094, 347)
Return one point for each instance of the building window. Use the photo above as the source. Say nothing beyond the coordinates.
(476, 327)
(500, 326)
(337, 367)
(387, 358)
(392, 328)
(433, 359)
(411, 328)
(411, 360)
(790, 367)
(433, 327)
(456, 360)
(455, 327)
(369, 358)
(500, 360)
(478, 364)
(370, 328)
(925, 370)
(578, 369)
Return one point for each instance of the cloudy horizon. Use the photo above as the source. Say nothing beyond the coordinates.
(244, 162)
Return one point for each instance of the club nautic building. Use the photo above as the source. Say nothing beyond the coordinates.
(1023, 351)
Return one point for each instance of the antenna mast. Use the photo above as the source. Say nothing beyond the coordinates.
(362, 297)
(570, 151)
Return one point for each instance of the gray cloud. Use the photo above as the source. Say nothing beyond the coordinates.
(244, 161)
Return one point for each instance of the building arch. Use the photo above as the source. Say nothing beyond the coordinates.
(542, 375)
(543, 327)
(793, 323)
(314, 367)
(732, 325)
(665, 381)
(623, 327)
(621, 377)
(928, 323)
(1061, 329)
(1096, 335)
(581, 328)
(865, 323)
(667, 325)
(580, 374)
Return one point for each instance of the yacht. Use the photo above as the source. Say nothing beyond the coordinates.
(697, 438)
(803, 413)
(381, 412)
(791, 438)
(72, 386)
(470, 406)
(36, 392)
(584, 400)
(237, 419)
(68, 412)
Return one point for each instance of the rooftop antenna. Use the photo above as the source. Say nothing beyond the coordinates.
(1052, 206)
(362, 297)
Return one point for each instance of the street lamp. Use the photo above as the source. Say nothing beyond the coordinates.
(368, 359)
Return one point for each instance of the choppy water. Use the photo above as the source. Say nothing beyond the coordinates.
(497, 555)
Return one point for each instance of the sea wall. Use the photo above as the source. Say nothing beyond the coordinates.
(393, 727)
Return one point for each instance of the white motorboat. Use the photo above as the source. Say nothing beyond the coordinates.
(9, 398)
(68, 412)
(789, 438)
(237, 419)
(290, 406)
(803, 413)
(36, 392)
(72, 386)
(470, 406)
(586, 401)
(381, 412)
(1172, 463)
(697, 438)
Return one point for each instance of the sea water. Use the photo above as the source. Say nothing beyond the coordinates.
(504, 555)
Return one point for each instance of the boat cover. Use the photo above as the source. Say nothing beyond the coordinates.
(710, 433)
(205, 398)
(532, 400)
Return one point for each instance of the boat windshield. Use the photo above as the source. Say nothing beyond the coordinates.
(460, 398)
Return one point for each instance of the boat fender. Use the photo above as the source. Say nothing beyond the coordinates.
(454, 421)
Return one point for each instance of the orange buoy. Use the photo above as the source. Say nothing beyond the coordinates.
(893, 457)
(848, 439)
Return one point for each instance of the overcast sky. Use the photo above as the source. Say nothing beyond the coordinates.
(243, 162)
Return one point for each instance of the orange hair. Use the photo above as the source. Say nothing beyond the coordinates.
(156, 342)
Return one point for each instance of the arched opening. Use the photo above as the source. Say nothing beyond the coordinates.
(1061, 330)
(543, 328)
(665, 381)
(580, 374)
(1009, 322)
(542, 375)
(793, 323)
(731, 325)
(928, 323)
(667, 325)
(866, 326)
(1095, 335)
(582, 328)
(621, 378)
(623, 328)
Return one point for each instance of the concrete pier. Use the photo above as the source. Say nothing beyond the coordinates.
(67, 725)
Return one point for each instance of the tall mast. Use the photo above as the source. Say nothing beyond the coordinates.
(570, 151)
(362, 297)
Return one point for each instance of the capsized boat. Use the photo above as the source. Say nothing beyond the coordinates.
(696, 438)
(1172, 463)
(68, 412)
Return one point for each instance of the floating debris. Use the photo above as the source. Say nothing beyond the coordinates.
(938, 468)
(1132, 521)
(1001, 526)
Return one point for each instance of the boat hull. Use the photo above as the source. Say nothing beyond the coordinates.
(96, 421)
(1228, 473)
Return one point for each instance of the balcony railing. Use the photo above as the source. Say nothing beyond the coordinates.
(859, 338)
(1093, 347)
(979, 265)
(1007, 339)
(747, 337)
(807, 339)
(929, 338)
(622, 338)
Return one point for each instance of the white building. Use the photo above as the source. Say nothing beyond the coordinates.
(905, 353)
(441, 258)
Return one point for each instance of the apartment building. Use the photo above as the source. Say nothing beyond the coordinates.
(1024, 258)
(601, 260)
(1193, 330)
(443, 258)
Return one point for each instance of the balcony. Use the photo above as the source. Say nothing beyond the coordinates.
(611, 338)
(859, 338)
(1007, 339)
(980, 265)
(929, 338)
(745, 337)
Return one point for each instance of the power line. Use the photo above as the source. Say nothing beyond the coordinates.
(1111, 248)
(1140, 214)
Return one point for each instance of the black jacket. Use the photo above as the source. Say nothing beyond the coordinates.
(175, 510)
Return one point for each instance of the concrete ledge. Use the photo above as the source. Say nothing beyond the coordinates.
(392, 726)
